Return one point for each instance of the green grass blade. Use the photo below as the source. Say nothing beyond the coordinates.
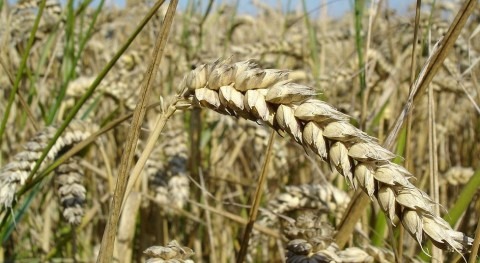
(464, 199)
(23, 65)
(312, 42)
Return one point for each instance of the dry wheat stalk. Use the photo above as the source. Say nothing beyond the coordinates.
(171, 253)
(266, 95)
(70, 189)
(16, 171)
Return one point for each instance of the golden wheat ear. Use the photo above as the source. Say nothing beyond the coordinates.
(17, 171)
(246, 91)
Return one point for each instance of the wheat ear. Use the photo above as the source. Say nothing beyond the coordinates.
(70, 190)
(167, 171)
(321, 197)
(172, 252)
(16, 172)
(310, 240)
(266, 95)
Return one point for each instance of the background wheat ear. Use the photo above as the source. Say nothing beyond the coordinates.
(172, 252)
(244, 90)
(16, 172)
(70, 190)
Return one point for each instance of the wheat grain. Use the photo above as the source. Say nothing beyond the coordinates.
(215, 86)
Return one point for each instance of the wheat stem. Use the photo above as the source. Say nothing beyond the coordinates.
(106, 249)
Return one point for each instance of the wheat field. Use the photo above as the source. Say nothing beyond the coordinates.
(198, 132)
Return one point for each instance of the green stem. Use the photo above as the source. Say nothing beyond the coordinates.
(359, 5)
(21, 70)
(312, 41)
(92, 88)
(464, 199)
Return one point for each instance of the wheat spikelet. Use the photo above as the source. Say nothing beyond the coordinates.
(243, 90)
(16, 171)
(70, 189)
(171, 253)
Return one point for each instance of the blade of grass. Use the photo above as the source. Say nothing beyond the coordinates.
(108, 240)
(464, 199)
(68, 66)
(312, 43)
(92, 88)
(358, 11)
(211, 239)
(71, 60)
(21, 69)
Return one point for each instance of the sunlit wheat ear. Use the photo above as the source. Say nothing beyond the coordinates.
(354, 154)
(17, 170)
(70, 190)
(172, 252)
